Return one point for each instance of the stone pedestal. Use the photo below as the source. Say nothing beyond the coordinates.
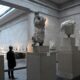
(41, 66)
(1, 67)
(40, 49)
(68, 59)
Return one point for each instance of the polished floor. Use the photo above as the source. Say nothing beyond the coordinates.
(77, 78)
(58, 78)
(20, 70)
(22, 75)
(19, 75)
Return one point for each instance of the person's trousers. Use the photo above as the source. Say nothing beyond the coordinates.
(11, 73)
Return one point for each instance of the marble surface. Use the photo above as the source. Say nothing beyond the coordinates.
(69, 59)
(40, 65)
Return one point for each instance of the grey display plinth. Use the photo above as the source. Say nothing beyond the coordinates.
(1, 67)
(40, 66)
(69, 59)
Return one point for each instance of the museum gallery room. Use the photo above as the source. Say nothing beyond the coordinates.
(39, 39)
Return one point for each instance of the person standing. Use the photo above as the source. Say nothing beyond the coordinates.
(11, 62)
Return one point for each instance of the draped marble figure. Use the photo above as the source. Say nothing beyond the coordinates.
(39, 34)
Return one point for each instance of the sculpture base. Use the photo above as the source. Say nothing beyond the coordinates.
(68, 59)
(40, 66)
(40, 49)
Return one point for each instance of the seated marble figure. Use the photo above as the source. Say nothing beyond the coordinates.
(68, 27)
(39, 34)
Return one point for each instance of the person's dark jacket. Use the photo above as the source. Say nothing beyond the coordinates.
(11, 59)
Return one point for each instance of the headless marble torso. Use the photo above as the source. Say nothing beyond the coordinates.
(39, 23)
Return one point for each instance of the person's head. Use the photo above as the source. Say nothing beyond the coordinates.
(36, 13)
(10, 47)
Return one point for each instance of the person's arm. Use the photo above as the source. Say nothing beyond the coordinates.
(7, 56)
(14, 59)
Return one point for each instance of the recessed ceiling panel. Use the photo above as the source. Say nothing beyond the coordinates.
(59, 1)
(3, 9)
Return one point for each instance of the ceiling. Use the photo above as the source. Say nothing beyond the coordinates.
(12, 15)
(59, 1)
(17, 12)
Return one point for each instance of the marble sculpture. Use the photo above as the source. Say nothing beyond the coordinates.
(68, 27)
(39, 34)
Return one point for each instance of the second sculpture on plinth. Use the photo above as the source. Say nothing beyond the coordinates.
(68, 27)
